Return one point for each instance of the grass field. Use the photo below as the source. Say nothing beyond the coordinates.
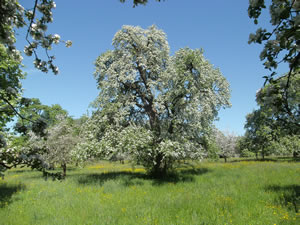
(239, 193)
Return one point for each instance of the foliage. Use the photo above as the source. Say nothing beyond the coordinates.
(10, 94)
(291, 144)
(13, 16)
(58, 143)
(281, 43)
(29, 148)
(138, 2)
(13, 155)
(155, 108)
(282, 105)
(287, 145)
(244, 147)
(260, 132)
(212, 150)
(226, 143)
(10, 86)
(277, 118)
(38, 117)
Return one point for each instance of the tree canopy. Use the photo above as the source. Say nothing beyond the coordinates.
(281, 104)
(10, 87)
(277, 119)
(157, 107)
(281, 43)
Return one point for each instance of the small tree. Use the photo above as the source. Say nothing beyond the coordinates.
(226, 143)
(156, 108)
(60, 142)
(260, 131)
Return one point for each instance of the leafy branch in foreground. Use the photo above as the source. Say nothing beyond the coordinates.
(14, 16)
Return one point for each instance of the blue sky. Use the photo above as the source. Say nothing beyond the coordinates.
(221, 28)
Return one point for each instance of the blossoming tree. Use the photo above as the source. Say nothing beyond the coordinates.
(155, 108)
(227, 144)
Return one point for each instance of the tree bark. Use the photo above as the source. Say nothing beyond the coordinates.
(160, 169)
(64, 167)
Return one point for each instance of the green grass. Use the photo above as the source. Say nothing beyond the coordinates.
(245, 192)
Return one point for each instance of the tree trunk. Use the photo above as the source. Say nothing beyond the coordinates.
(295, 154)
(52, 166)
(263, 154)
(225, 159)
(256, 155)
(159, 170)
(64, 167)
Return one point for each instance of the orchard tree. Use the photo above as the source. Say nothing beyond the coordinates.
(14, 154)
(60, 141)
(31, 146)
(244, 147)
(281, 43)
(260, 131)
(283, 111)
(227, 144)
(37, 117)
(157, 108)
(277, 119)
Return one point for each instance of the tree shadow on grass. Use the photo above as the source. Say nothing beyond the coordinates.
(7, 191)
(137, 178)
(20, 171)
(180, 176)
(289, 195)
(252, 160)
(277, 159)
(126, 178)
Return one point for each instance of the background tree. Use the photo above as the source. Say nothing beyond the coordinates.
(281, 44)
(277, 119)
(260, 132)
(244, 147)
(162, 106)
(60, 141)
(284, 111)
(227, 144)
(38, 117)
(29, 148)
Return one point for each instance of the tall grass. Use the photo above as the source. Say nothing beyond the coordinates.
(111, 193)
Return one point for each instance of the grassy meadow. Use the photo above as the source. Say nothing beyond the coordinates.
(245, 192)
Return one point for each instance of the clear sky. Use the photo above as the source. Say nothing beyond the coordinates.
(221, 28)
